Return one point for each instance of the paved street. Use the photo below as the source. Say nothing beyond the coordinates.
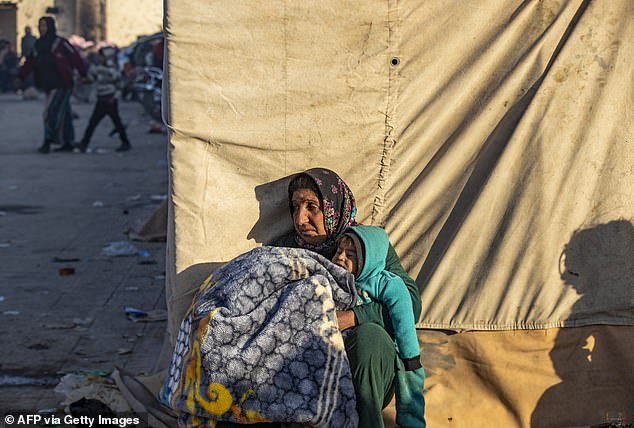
(62, 300)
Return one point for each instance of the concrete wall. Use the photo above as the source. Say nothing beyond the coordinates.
(122, 21)
(8, 23)
(126, 20)
(28, 13)
(66, 17)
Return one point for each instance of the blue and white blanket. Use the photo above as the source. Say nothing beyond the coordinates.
(260, 343)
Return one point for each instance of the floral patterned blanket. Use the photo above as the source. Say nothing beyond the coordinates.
(260, 343)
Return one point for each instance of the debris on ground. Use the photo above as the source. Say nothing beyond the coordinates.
(39, 346)
(57, 259)
(66, 271)
(30, 93)
(90, 408)
(76, 322)
(7, 379)
(88, 372)
(119, 249)
(60, 326)
(83, 321)
(158, 198)
(77, 386)
(155, 227)
(138, 315)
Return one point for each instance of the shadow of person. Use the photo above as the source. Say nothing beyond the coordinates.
(274, 220)
(594, 362)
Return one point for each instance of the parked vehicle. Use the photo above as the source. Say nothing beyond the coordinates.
(138, 54)
(147, 85)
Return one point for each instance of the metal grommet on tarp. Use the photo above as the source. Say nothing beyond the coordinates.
(395, 61)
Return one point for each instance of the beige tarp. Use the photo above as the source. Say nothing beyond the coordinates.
(492, 139)
(502, 137)
(550, 378)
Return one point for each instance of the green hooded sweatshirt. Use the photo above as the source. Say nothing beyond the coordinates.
(387, 288)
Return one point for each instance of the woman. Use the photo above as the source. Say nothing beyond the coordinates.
(322, 207)
(53, 60)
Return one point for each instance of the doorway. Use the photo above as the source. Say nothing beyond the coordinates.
(8, 22)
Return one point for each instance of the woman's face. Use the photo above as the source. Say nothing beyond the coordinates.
(42, 27)
(308, 218)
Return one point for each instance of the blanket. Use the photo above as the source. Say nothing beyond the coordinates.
(260, 343)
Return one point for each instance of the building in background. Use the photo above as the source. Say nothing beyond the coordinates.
(117, 21)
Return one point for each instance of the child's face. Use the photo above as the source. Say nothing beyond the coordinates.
(346, 256)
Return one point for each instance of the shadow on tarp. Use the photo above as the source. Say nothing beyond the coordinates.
(487, 159)
(275, 218)
(594, 363)
(273, 221)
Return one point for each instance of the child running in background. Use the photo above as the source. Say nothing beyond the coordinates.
(362, 250)
(106, 76)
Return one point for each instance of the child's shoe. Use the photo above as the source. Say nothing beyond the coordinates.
(82, 147)
(64, 148)
(124, 147)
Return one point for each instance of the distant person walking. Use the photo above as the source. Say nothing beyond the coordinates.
(107, 78)
(8, 66)
(27, 43)
(53, 61)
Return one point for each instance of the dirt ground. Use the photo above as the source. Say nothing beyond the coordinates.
(62, 299)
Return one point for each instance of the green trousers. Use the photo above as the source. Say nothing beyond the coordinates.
(372, 357)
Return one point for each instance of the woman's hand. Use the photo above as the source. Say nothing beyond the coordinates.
(346, 319)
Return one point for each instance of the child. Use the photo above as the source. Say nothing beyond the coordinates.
(362, 250)
(107, 77)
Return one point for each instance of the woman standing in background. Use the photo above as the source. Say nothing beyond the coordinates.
(53, 61)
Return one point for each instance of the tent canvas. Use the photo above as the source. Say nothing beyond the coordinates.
(491, 139)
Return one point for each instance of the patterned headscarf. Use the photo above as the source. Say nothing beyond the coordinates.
(338, 207)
